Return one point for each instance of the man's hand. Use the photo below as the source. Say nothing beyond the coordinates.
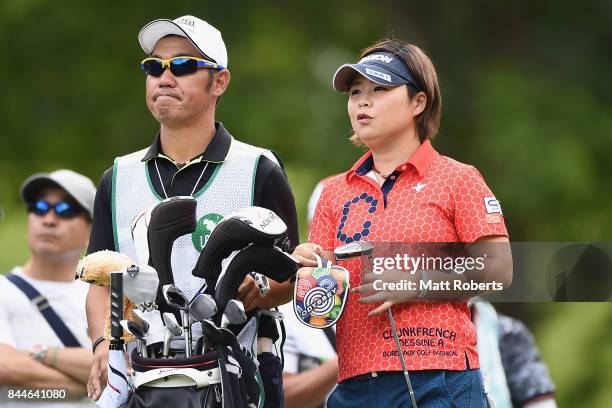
(249, 294)
(99, 371)
(384, 291)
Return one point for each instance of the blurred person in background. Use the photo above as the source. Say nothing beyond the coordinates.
(311, 366)
(512, 369)
(44, 343)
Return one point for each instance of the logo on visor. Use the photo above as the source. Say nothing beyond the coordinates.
(377, 74)
(383, 58)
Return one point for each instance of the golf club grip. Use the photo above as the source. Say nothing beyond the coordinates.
(169, 220)
(266, 260)
(116, 304)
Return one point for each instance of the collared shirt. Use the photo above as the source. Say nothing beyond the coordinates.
(430, 198)
(272, 188)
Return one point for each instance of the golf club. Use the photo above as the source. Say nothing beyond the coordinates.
(172, 330)
(117, 390)
(359, 249)
(169, 220)
(212, 333)
(177, 299)
(267, 260)
(140, 320)
(140, 284)
(202, 307)
(234, 313)
(138, 331)
(238, 229)
(222, 336)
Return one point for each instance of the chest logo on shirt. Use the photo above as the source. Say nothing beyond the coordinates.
(361, 206)
(204, 228)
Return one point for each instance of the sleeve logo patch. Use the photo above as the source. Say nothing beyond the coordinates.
(492, 205)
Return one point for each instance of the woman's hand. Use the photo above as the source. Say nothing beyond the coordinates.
(304, 253)
(391, 287)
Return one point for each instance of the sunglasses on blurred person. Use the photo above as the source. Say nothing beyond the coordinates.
(63, 209)
(179, 66)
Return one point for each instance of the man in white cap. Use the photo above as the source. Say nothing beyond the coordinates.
(192, 155)
(44, 342)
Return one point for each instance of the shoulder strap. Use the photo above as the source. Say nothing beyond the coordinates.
(41, 302)
(331, 336)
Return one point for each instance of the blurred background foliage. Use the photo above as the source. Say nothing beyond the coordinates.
(526, 99)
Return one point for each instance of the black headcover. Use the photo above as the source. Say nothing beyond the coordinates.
(246, 226)
(266, 260)
(170, 219)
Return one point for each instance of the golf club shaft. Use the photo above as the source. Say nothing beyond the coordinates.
(143, 348)
(186, 332)
(166, 350)
(398, 346)
(401, 356)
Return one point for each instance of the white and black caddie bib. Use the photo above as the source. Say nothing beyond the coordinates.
(229, 188)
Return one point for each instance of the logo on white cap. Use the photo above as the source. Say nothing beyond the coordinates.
(185, 21)
(206, 38)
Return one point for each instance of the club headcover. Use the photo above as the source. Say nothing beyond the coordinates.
(170, 219)
(246, 226)
(320, 294)
(140, 283)
(269, 261)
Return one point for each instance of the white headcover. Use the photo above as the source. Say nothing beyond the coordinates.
(140, 283)
(261, 219)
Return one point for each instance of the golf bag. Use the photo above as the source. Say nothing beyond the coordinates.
(212, 380)
(225, 376)
(226, 373)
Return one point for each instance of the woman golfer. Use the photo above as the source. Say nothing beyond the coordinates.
(403, 191)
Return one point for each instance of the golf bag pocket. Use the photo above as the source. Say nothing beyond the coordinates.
(179, 382)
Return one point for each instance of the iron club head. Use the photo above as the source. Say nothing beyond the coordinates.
(173, 329)
(202, 306)
(234, 313)
(175, 297)
(139, 319)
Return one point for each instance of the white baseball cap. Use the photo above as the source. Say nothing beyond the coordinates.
(206, 38)
(79, 187)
